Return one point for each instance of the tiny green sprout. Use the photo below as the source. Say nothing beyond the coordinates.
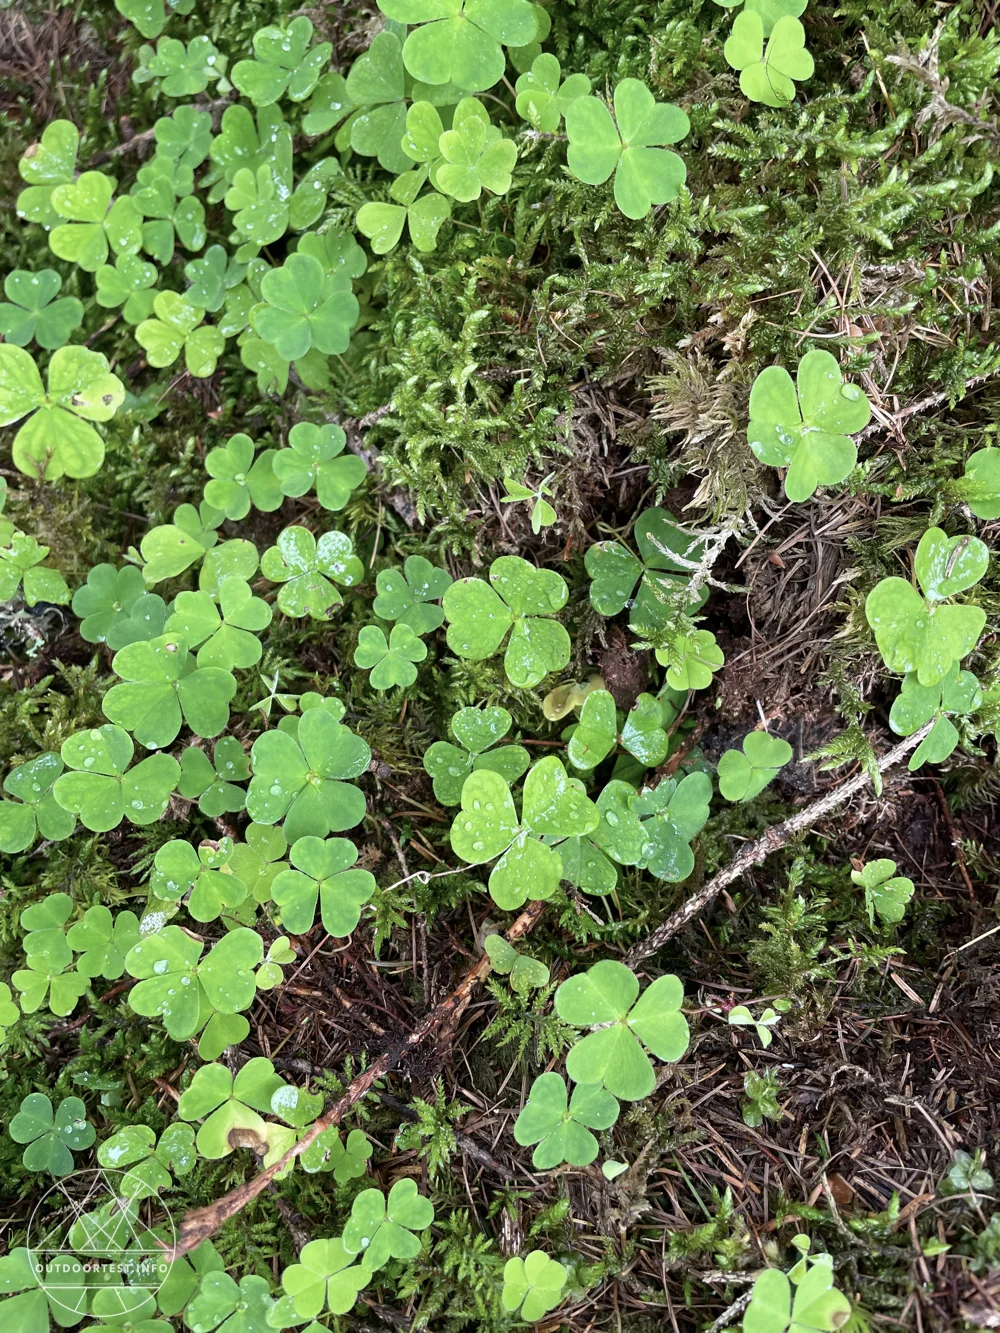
(814, 1305)
(177, 326)
(347, 1161)
(303, 780)
(743, 774)
(769, 11)
(475, 154)
(380, 1228)
(461, 42)
(542, 99)
(161, 686)
(170, 548)
(288, 702)
(57, 438)
(185, 137)
(805, 426)
(308, 570)
(957, 695)
(241, 481)
(150, 1163)
(886, 893)
(325, 1278)
(690, 656)
(270, 973)
(98, 789)
(980, 486)
(408, 596)
(533, 1286)
(226, 1104)
(225, 635)
(229, 1306)
(542, 513)
(204, 875)
(103, 941)
(967, 1174)
(315, 460)
(476, 730)
(928, 634)
(521, 599)
(611, 1169)
(324, 871)
(606, 998)
(150, 16)
(181, 70)
(91, 226)
(177, 985)
(35, 313)
(391, 662)
(303, 307)
(21, 569)
(553, 806)
(628, 144)
(740, 1016)
(52, 1137)
(760, 1102)
(769, 76)
(127, 283)
(526, 974)
(641, 731)
(283, 63)
(561, 1127)
(667, 559)
(212, 782)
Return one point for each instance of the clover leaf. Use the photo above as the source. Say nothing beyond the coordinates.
(929, 634)
(690, 656)
(177, 326)
(886, 893)
(740, 1016)
(101, 792)
(205, 874)
(52, 1137)
(282, 64)
(518, 600)
(161, 685)
(541, 99)
(743, 774)
(250, 142)
(150, 1162)
(185, 993)
(376, 85)
(957, 695)
(561, 1130)
(212, 278)
(391, 662)
(476, 156)
(21, 567)
(239, 481)
(526, 974)
(619, 835)
(476, 730)
(302, 779)
(323, 871)
(347, 1160)
(328, 105)
(383, 223)
(606, 997)
(769, 76)
(257, 861)
(326, 1277)
(185, 136)
(553, 806)
(106, 599)
(229, 1306)
(303, 307)
(127, 283)
(103, 941)
(533, 1285)
(315, 459)
(380, 1228)
(150, 16)
(597, 733)
(306, 567)
(804, 427)
(406, 595)
(57, 439)
(34, 311)
(671, 814)
(90, 224)
(227, 633)
(9, 1012)
(41, 978)
(229, 1106)
(181, 69)
(260, 205)
(48, 163)
(163, 193)
(542, 513)
(459, 41)
(662, 577)
(628, 144)
(34, 805)
(816, 1304)
(171, 548)
(768, 10)
(980, 486)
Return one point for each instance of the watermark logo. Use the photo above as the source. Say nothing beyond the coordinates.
(95, 1248)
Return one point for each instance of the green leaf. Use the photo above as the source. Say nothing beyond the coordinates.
(769, 76)
(816, 1304)
(476, 730)
(45, 164)
(34, 312)
(103, 942)
(541, 99)
(283, 64)
(744, 774)
(346, 1161)
(239, 481)
(185, 137)
(105, 601)
(325, 1277)
(946, 566)
(305, 308)
(323, 872)
(391, 663)
(533, 1285)
(180, 70)
(381, 1229)
(127, 283)
(526, 974)
(885, 893)
(980, 486)
(52, 1138)
(178, 327)
(671, 814)
(306, 567)
(101, 792)
(161, 685)
(605, 998)
(560, 1128)
(460, 43)
(314, 460)
(20, 562)
(406, 595)
(475, 155)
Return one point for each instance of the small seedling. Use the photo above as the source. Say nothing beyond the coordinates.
(740, 1016)
(526, 974)
(886, 893)
(814, 1304)
(760, 1102)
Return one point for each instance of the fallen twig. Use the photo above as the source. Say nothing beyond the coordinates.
(200, 1223)
(760, 850)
